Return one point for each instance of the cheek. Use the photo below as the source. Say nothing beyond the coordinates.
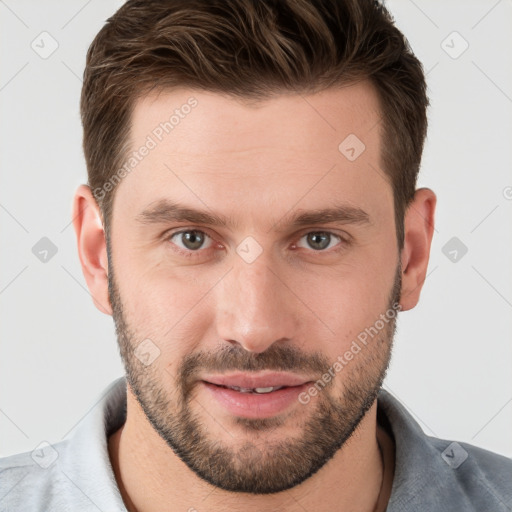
(170, 306)
(351, 299)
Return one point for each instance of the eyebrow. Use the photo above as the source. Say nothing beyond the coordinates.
(165, 211)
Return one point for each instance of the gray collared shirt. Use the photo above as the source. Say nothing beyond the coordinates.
(430, 474)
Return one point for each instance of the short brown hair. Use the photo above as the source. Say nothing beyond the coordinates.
(252, 49)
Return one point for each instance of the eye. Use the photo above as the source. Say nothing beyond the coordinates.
(191, 240)
(320, 240)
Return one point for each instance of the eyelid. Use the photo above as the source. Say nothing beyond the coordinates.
(331, 231)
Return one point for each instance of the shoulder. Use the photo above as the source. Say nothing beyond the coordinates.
(34, 480)
(482, 476)
(438, 474)
(72, 474)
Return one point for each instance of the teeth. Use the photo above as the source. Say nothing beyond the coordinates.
(255, 390)
(242, 390)
(264, 390)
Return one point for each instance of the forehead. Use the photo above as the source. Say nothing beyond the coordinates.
(206, 148)
(221, 122)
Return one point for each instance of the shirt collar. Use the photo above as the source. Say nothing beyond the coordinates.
(88, 465)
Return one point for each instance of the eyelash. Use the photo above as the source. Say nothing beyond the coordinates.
(344, 241)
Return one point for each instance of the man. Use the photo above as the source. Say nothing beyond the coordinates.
(252, 224)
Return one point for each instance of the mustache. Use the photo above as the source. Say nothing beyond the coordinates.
(236, 358)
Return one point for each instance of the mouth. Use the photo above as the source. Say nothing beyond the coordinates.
(262, 381)
(260, 390)
(255, 395)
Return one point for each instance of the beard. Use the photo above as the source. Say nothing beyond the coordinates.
(257, 465)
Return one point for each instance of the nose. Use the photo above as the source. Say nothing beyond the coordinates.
(255, 307)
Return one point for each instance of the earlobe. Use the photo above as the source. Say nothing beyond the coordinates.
(419, 230)
(92, 247)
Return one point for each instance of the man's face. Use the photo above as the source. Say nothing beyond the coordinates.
(260, 301)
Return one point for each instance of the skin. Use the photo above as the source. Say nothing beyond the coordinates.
(258, 164)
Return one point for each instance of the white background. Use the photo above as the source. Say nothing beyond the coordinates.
(453, 353)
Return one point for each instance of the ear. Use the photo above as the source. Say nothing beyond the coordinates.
(418, 231)
(92, 246)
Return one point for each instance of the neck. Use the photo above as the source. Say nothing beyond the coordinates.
(150, 476)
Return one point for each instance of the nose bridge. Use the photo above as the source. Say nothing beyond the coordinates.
(254, 308)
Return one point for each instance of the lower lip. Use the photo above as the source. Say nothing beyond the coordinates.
(255, 405)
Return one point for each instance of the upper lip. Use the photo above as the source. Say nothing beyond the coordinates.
(257, 380)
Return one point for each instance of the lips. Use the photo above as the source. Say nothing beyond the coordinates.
(259, 383)
(252, 404)
(255, 394)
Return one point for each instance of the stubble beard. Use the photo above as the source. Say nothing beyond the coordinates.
(256, 465)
